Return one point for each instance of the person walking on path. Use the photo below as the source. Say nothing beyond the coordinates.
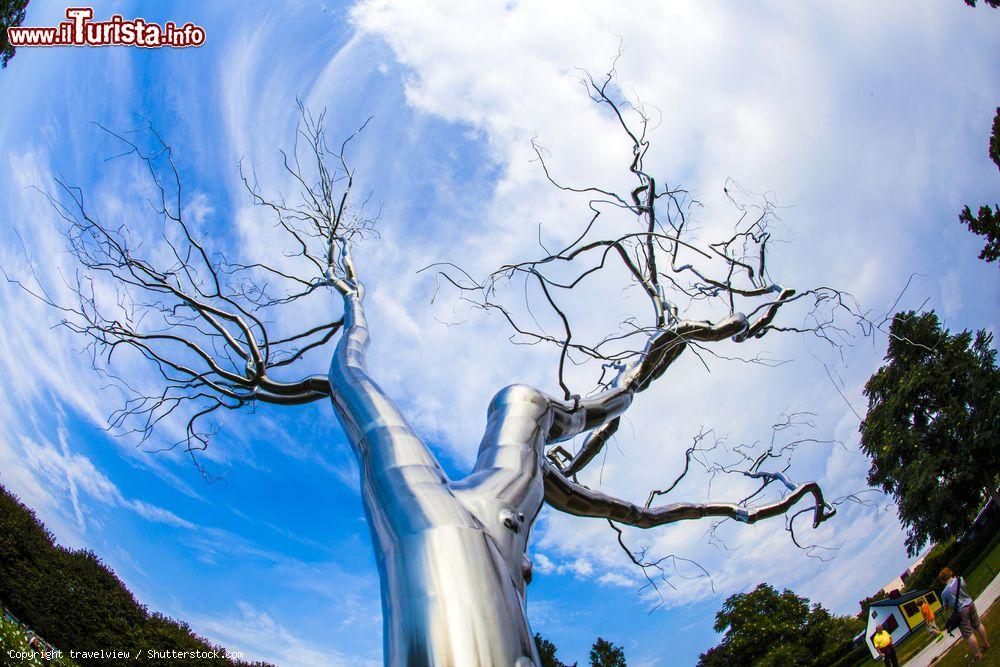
(883, 644)
(955, 596)
(929, 622)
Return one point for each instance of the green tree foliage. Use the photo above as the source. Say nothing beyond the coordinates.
(879, 595)
(987, 222)
(991, 3)
(995, 138)
(75, 602)
(765, 628)
(546, 651)
(932, 426)
(17, 652)
(961, 556)
(784, 656)
(987, 225)
(11, 14)
(760, 621)
(606, 654)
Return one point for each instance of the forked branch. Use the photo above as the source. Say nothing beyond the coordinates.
(202, 320)
(646, 234)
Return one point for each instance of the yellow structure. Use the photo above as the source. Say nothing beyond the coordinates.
(899, 616)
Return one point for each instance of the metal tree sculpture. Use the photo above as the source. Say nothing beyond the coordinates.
(451, 553)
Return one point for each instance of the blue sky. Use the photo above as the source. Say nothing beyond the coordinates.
(867, 123)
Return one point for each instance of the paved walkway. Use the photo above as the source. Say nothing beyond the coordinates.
(939, 647)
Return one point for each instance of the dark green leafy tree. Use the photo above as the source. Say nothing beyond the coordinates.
(546, 651)
(717, 656)
(991, 3)
(765, 628)
(995, 138)
(827, 637)
(987, 225)
(74, 601)
(606, 654)
(932, 426)
(880, 594)
(987, 222)
(785, 656)
(11, 15)
(757, 622)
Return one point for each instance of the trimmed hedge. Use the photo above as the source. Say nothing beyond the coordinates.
(76, 602)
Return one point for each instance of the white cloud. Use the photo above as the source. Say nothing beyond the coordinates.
(616, 579)
(804, 106)
(848, 112)
(542, 564)
(158, 514)
(258, 636)
(59, 484)
(581, 567)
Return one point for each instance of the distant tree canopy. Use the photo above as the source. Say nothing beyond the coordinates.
(991, 3)
(546, 651)
(606, 654)
(960, 556)
(765, 628)
(987, 225)
(11, 14)
(987, 222)
(932, 426)
(995, 138)
(74, 601)
(602, 654)
(880, 594)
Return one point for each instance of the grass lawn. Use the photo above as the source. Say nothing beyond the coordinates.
(916, 643)
(960, 653)
(977, 580)
(983, 574)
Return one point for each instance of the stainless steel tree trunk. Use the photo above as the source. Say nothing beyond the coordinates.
(451, 555)
(448, 597)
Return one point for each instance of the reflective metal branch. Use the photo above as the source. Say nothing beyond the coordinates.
(573, 498)
(661, 350)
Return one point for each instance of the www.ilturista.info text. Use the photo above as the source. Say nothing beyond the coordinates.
(80, 30)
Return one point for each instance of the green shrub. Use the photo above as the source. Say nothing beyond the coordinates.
(14, 639)
(76, 602)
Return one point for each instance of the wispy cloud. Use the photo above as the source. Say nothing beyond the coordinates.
(259, 636)
(53, 480)
(794, 125)
(866, 121)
